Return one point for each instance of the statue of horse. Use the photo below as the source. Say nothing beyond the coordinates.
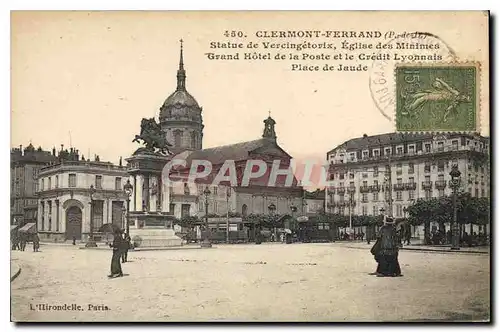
(152, 136)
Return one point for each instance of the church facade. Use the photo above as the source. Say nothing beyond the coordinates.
(181, 121)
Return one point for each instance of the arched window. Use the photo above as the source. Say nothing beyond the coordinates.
(193, 139)
(177, 138)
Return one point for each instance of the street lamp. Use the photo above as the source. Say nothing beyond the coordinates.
(128, 188)
(91, 243)
(206, 241)
(272, 209)
(351, 203)
(455, 184)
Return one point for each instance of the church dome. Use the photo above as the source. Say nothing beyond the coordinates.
(180, 98)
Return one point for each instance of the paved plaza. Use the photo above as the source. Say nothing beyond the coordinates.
(268, 282)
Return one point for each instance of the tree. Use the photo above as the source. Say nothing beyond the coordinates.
(423, 211)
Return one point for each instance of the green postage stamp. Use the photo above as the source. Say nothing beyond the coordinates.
(437, 97)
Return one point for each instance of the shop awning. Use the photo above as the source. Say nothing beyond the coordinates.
(28, 228)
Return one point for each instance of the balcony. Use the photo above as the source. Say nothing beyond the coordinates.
(399, 186)
(364, 189)
(340, 190)
(351, 189)
(375, 187)
(410, 186)
(427, 184)
(440, 184)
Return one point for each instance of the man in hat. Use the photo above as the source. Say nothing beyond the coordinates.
(387, 250)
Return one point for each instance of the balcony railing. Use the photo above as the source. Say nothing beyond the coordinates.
(411, 186)
(427, 184)
(351, 189)
(375, 187)
(340, 190)
(364, 189)
(399, 186)
(440, 184)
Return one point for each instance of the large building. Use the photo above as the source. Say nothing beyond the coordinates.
(71, 190)
(244, 200)
(414, 165)
(24, 167)
(181, 120)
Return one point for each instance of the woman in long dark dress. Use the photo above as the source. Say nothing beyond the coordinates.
(116, 267)
(387, 251)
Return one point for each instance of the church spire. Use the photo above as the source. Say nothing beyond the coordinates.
(269, 132)
(181, 73)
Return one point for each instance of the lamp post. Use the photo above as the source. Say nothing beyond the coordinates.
(455, 184)
(293, 208)
(206, 241)
(351, 202)
(272, 209)
(91, 243)
(128, 188)
(228, 194)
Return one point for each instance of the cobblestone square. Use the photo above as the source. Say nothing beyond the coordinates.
(268, 282)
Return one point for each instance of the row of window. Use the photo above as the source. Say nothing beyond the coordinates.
(427, 148)
(72, 182)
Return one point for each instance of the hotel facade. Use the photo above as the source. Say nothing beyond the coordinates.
(365, 172)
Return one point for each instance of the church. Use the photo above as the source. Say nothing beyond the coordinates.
(181, 121)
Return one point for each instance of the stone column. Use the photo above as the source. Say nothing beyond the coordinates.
(105, 202)
(133, 199)
(159, 195)
(165, 198)
(153, 198)
(138, 192)
(62, 218)
(57, 220)
(39, 216)
(146, 192)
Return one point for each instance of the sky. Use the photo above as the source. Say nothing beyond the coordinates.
(88, 78)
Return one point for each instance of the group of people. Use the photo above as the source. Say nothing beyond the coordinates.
(20, 240)
(386, 250)
(121, 245)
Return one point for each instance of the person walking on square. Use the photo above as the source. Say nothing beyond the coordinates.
(36, 242)
(116, 267)
(125, 247)
(386, 250)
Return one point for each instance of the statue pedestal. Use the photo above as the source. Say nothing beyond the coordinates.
(149, 217)
(154, 237)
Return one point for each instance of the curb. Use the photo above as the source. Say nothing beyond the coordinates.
(15, 275)
(436, 250)
(148, 249)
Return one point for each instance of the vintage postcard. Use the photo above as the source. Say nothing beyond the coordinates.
(322, 166)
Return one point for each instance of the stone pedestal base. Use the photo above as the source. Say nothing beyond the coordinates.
(154, 237)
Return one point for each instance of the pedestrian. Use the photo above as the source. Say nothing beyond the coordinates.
(116, 267)
(74, 240)
(22, 241)
(36, 242)
(386, 250)
(125, 247)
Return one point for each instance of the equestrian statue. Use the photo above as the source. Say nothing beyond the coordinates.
(152, 137)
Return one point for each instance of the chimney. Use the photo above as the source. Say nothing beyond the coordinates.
(54, 151)
(365, 135)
